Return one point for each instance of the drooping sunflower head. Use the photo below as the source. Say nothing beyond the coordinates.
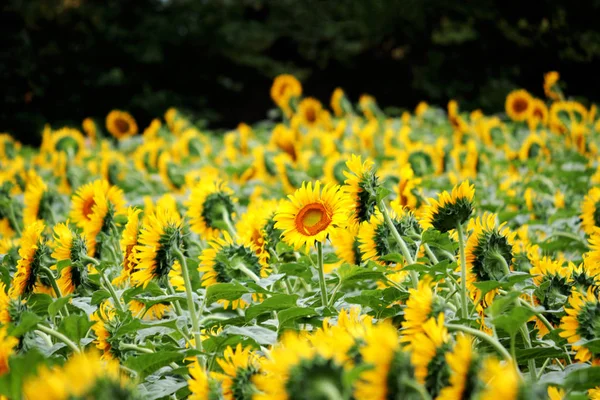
(160, 237)
(422, 304)
(121, 124)
(428, 355)
(550, 85)
(518, 105)
(590, 211)
(239, 367)
(361, 185)
(311, 214)
(211, 207)
(501, 380)
(226, 260)
(582, 323)
(450, 209)
(284, 88)
(71, 246)
(33, 250)
(299, 367)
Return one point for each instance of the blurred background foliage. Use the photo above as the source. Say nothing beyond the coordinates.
(64, 60)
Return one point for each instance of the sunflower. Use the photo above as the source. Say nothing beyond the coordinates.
(104, 318)
(83, 202)
(6, 304)
(32, 249)
(309, 112)
(346, 245)
(285, 87)
(555, 393)
(368, 106)
(518, 105)
(550, 80)
(225, 260)
(90, 129)
(84, 376)
(37, 202)
(70, 246)
(129, 241)
(590, 211)
(7, 345)
(121, 124)
(211, 207)
(239, 366)
(390, 367)
(202, 386)
(538, 113)
(464, 367)
(333, 169)
(160, 234)
(501, 380)
(553, 284)
(422, 304)
(581, 323)
(591, 259)
(361, 185)
(405, 189)
(154, 312)
(337, 102)
(594, 394)
(311, 215)
(286, 140)
(428, 355)
(489, 253)
(456, 121)
(450, 209)
(376, 240)
(252, 226)
(584, 277)
(532, 147)
(299, 368)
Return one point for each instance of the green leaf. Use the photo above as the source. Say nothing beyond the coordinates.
(20, 367)
(99, 296)
(273, 303)
(440, 240)
(75, 327)
(513, 320)
(583, 378)
(58, 304)
(296, 269)
(393, 257)
(292, 314)
(225, 291)
(145, 364)
(351, 273)
(382, 193)
(487, 286)
(38, 303)
(27, 322)
(262, 336)
(133, 326)
(63, 264)
(162, 388)
(330, 258)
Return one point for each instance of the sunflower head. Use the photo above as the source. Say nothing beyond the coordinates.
(518, 105)
(129, 241)
(121, 124)
(464, 365)
(34, 252)
(501, 380)
(39, 201)
(346, 244)
(311, 214)
(450, 209)
(550, 85)
(361, 184)
(284, 88)
(422, 304)
(71, 246)
(211, 207)
(590, 211)
(202, 386)
(337, 102)
(553, 284)
(582, 323)
(239, 367)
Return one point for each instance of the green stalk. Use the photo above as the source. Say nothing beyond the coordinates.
(483, 336)
(228, 224)
(190, 301)
(242, 267)
(418, 388)
(324, 300)
(403, 247)
(112, 291)
(525, 332)
(463, 271)
(59, 336)
(52, 280)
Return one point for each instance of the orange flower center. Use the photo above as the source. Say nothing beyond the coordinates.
(88, 204)
(538, 113)
(312, 219)
(520, 105)
(283, 88)
(311, 115)
(122, 125)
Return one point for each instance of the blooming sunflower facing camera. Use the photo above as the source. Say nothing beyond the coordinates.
(518, 105)
(121, 124)
(311, 214)
(361, 185)
(581, 323)
(211, 207)
(450, 209)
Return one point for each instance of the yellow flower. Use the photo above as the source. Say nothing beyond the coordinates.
(346, 244)
(406, 186)
(31, 249)
(69, 246)
(239, 366)
(361, 185)
(121, 124)
(518, 105)
(211, 207)
(337, 97)
(284, 88)
(538, 113)
(368, 106)
(309, 112)
(90, 129)
(253, 226)
(590, 211)
(104, 317)
(419, 309)
(199, 383)
(555, 393)
(463, 370)
(69, 141)
(311, 215)
(36, 207)
(532, 147)
(550, 80)
(450, 209)
(155, 312)
(421, 109)
(129, 241)
(501, 380)
(7, 345)
(583, 316)
(594, 393)
(457, 122)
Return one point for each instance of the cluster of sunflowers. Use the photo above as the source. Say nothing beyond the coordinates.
(418, 255)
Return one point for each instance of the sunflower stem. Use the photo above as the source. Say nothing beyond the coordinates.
(414, 277)
(525, 332)
(242, 267)
(483, 336)
(90, 260)
(328, 389)
(111, 290)
(463, 271)
(324, 300)
(503, 263)
(228, 224)
(190, 301)
(127, 346)
(54, 285)
(418, 388)
(430, 254)
(172, 292)
(59, 336)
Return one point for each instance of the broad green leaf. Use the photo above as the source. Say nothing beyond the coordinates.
(39, 302)
(349, 274)
(512, 320)
(583, 378)
(262, 336)
(27, 322)
(57, 305)
(99, 296)
(225, 291)
(274, 303)
(296, 269)
(75, 327)
(292, 314)
(145, 364)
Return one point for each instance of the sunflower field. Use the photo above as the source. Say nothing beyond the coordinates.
(330, 253)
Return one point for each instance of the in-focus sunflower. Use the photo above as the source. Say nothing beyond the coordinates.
(428, 355)
(160, 234)
(590, 211)
(121, 124)
(581, 323)
(464, 367)
(32, 249)
(390, 367)
(450, 209)
(361, 185)
(70, 246)
(518, 105)
(550, 88)
(311, 215)
(421, 305)
(129, 241)
(501, 380)
(239, 367)
(211, 208)
(225, 260)
(300, 368)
